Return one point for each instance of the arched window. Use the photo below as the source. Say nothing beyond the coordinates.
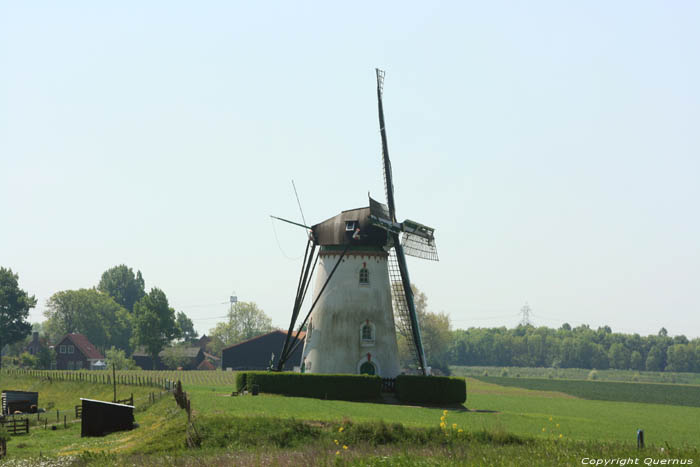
(364, 276)
(367, 334)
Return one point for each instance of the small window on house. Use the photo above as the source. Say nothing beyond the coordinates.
(62, 349)
(79, 365)
(70, 349)
(364, 276)
(350, 226)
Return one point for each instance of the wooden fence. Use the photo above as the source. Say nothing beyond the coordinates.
(16, 427)
(96, 377)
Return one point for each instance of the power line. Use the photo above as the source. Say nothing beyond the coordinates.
(525, 311)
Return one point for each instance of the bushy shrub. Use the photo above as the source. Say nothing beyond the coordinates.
(593, 375)
(433, 389)
(4, 435)
(342, 387)
(240, 381)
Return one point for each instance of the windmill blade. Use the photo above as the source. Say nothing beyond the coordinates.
(404, 306)
(388, 179)
(419, 247)
(419, 240)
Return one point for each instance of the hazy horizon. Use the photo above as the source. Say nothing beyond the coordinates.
(554, 148)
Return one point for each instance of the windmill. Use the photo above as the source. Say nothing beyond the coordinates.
(362, 293)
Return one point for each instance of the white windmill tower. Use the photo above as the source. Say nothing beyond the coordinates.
(362, 292)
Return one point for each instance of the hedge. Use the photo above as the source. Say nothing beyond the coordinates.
(341, 387)
(433, 389)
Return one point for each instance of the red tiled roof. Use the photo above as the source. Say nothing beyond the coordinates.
(302, 335)
(84, 345)
(206, 365)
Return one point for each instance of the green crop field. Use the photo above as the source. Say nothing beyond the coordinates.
(502, 424)
(578, 374)
(651, 393)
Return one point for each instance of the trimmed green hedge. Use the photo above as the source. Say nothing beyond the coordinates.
(341, 387)
(433, 389)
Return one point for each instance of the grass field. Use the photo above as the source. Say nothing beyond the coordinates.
(649, 393)
(578, 374)
(504, 425)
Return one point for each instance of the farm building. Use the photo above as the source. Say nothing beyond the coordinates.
(255, 353)
(99, 418)
(76, 352)
(35, 344)
(192, 356)
(19, 401)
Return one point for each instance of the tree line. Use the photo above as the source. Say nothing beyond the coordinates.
(567, 347)
(118, 316)
(118, 313)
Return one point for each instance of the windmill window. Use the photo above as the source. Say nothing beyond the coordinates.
(364, 276)
(350, 226)
(367, 334)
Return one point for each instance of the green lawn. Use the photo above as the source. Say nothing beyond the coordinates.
(520, 411)
(503, 426)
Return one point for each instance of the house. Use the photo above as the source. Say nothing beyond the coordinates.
(35, 344)
(255, 353)
(76, 352)
(202, 342)
(192, 355)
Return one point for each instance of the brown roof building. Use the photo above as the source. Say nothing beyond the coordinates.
(76, 352)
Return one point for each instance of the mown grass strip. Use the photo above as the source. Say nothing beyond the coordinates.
(648, 393)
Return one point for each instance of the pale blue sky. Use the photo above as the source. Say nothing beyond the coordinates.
(553, 145)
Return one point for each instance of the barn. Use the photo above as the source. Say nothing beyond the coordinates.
(255, 353)
(100, 418)
(19, 401)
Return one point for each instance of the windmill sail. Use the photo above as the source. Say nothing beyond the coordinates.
(402, 295)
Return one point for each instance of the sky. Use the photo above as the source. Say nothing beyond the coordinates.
(554, 147)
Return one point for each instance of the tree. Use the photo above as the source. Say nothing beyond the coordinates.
(636, 361)
(436, 335)
(46, 357)
(120, 283)
(245, 320)
(656, 360)
(176, 356)
(619, 356)
(90, 312)
(185, 327)
(28, 361)
(15, 304)
(153, 323)
(117, 357)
